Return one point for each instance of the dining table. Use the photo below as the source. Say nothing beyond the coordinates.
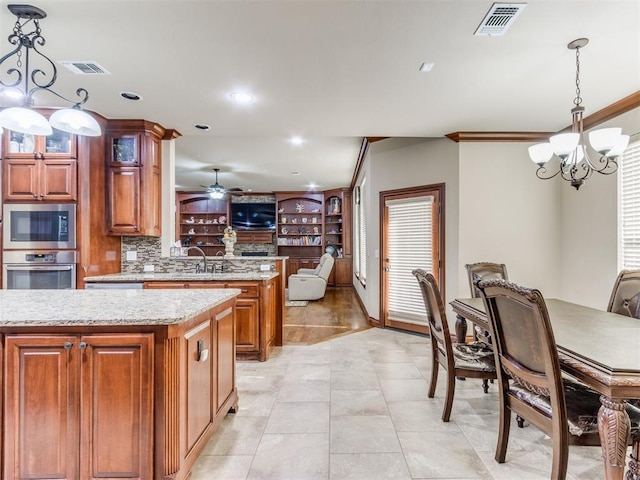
(599, 348)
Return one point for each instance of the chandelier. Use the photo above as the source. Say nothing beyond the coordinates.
(21, 83)
(575, 164)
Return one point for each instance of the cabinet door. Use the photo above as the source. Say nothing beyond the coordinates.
(21, 179)
(343, 272)
(226, 355)
(124, 200)
(58, 180)
(198, 361)
(123, 149)
(247, 328)
(117, 406)
(41, 410)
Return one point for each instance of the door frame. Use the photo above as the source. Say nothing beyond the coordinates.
(439, 189)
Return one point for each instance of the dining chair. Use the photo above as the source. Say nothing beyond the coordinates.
(530, 382)
(483, 271)
(625, 296)
(466, 360)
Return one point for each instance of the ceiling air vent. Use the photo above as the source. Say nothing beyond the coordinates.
(84, 68)
(499, 18)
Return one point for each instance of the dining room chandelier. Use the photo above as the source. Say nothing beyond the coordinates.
(21, 82)
(575, 164)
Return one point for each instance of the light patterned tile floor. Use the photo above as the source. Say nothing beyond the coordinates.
(356, 407)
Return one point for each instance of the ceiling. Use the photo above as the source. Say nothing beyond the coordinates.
(332, 72)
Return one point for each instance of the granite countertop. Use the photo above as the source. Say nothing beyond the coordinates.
(27, 308)
(179, 277)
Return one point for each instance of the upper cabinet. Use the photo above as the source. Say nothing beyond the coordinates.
(134, 190)
(39, 168)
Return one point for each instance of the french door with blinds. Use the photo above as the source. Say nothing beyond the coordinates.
(412, 237)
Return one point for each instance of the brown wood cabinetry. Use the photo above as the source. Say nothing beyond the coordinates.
(40, 168)
(69, 395)
(133, 153)
(255, 237)
(255, 313)
(337, 233)
(201, 221)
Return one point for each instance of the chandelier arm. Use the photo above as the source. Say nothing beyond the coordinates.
(543, 170)
(38, 72)
(12, 70)
(80, 92)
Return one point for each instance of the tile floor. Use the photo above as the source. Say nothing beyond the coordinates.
(356, 407)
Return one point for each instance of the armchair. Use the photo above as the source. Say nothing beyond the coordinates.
(310, 284)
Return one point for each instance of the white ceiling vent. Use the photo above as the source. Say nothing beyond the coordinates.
(499, 18)
(84, 68)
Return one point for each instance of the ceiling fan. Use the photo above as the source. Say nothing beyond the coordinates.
(217, 191)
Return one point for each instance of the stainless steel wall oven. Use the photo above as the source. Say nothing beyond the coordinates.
(24, 270)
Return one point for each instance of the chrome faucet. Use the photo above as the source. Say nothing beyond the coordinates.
(204, 259)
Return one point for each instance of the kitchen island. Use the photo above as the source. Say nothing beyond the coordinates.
(104, 384)
(259, 308)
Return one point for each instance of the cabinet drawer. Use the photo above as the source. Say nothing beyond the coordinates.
(248, 290)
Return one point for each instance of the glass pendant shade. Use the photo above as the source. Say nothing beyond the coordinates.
(217, 194)
(74, 120)
(564, 143)
(24, 120)
(620, 146)
(604, 139)
(540, 153)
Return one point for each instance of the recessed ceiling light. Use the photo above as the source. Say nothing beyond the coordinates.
(202, 126)
(426, 67)
(312, 186)
(241, 97)
(131, 96)
(295, 173)
(296, 140)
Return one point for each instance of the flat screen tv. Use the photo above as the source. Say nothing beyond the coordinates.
(253, 216)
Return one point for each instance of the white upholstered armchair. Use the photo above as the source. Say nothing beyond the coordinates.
(310, 284)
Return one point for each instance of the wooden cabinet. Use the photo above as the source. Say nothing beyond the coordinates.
(200, 221)
(255, 324)
(300, 228)
(40, 168)
(255, 237)
(337, 233)
(133, 153)
(78, 406)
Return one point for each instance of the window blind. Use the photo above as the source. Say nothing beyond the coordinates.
(410, 246)
(630, 205)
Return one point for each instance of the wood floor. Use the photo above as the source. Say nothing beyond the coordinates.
(338, 313)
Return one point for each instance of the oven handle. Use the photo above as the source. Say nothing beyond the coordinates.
(61, 268)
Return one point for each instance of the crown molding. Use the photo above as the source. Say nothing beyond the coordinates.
(623, 105)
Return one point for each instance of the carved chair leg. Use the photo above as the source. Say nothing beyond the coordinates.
(520, 421)
(634, 467)
(434, 377)
(448, 399)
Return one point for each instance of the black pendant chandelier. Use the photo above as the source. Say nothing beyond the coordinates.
(575, 164)
(22, 83)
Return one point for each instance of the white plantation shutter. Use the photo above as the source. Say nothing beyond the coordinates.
(362, 270)
(410, 246)
(630, 205)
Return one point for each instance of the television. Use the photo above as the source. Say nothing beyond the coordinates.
(253, 216)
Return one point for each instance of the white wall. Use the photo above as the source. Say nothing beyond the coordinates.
(508, 215)
(589, 220)
(401, 163)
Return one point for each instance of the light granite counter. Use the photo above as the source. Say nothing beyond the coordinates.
(179, 277)
(27, 308)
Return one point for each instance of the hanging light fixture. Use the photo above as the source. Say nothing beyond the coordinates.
(575, 164)
(22, 83)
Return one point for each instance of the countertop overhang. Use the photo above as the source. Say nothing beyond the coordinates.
(27, 308)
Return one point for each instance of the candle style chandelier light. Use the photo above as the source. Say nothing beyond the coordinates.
(22, 83)
(575, 164)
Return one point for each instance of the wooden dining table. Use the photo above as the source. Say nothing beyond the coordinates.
(601, 349)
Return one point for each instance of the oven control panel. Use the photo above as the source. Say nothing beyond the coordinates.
(41, 257)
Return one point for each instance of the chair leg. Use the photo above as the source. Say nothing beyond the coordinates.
(520, 421)
(485, 385)
(503, 433)
(560, 460)
(448, 399)
(434, 377)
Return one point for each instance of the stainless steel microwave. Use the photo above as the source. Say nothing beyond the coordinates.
(34, 226)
